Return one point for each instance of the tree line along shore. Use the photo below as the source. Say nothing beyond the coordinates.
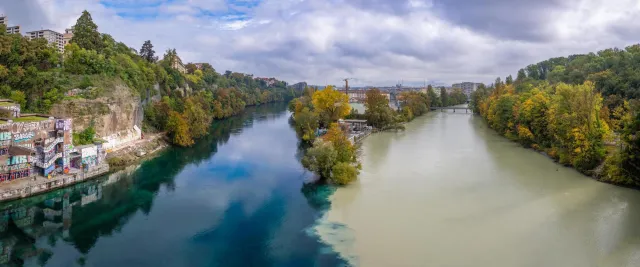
(580, 110)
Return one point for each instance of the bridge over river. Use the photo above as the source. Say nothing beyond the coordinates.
(459, 108)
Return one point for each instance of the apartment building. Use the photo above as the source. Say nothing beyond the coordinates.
(178, 65)
(40, 145)
(467, 87)
(10, 29)
(54, 38)
(13, 30)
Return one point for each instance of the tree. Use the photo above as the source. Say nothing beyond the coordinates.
(444, 97)
(306, 124)
(197, 118)
(344, 149)
(521, 75)
(178, 130)
(320, 158)
(191, 68)
(378, 112)
(631, 154)
(85, 33)
(330, 105)
(147, 52)
(434, 99)
(509, 80)
(18, 97)
(343, 173)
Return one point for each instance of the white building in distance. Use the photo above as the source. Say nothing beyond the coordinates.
(54, 38)
(467, 87)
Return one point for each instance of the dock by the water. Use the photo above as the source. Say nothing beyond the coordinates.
(27, 187)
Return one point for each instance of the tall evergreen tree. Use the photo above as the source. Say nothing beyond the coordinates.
(86, 34)
(509, 80)
(521, 76)
(147, 52)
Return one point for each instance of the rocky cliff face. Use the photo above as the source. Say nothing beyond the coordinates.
(117, 115)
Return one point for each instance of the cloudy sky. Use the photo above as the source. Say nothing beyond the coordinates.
(376, 42)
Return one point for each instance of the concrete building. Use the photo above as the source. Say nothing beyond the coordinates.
(66, 37)
(467, 87)
(358, 95)
(13, 30)
(40, 145)
(177, 64)
(10, 29)
(54, 38)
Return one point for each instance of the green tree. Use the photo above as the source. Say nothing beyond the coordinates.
(378, 112)
(344, 173)
(18, 97)
(306, 124)
(434, 99)
(509, 80)
(320, 158)
(521, 76)
(345, 151)
(147, 52)
(85, 33)
(631, 153)
(444, 97)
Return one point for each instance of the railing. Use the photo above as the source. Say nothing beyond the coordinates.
(48, 163)
(53, 144)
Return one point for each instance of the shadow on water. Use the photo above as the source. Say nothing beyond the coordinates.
(35, 230)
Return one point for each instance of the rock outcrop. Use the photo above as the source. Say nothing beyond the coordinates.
(117, 116)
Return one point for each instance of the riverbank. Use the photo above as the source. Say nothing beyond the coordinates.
(138, 151)
(231, 200)
(413, 205)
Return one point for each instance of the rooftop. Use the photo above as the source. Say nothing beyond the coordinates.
(29, 119)
(6, 103)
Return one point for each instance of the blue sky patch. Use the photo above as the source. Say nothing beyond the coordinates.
(233, 10)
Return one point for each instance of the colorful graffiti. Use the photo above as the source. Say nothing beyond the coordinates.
(90, 161)
(49, 169)
(19, 160)
(5, 136)
(4, 151)
(60, 124)
(23, 137)
(14, 175)
(26, 145)
(89, 151)
(16, 167)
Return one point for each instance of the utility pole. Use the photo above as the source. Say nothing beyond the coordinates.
(346, 86)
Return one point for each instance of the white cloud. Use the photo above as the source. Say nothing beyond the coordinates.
(378, 41)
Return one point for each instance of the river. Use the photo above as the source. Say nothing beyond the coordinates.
(445, 192)
(236, 198)
(449, 191)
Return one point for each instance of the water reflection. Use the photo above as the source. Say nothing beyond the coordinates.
(234, 199)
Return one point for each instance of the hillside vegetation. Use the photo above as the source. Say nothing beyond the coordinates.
(581, 110)
(35, 75)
